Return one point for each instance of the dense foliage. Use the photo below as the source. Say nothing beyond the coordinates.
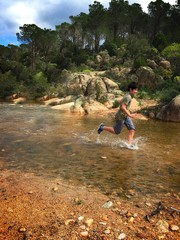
(123, 35)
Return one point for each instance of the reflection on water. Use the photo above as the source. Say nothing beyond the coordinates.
(48, 142)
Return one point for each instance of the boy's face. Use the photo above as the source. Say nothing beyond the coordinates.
(133, 91)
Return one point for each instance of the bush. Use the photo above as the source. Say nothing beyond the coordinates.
(172, 50)
(170, 89)
(8, 84)
(39, 85)
(139, 61)
(115, 104)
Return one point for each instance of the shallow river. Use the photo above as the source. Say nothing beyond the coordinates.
(50, 143)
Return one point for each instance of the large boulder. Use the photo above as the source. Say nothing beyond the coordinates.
(146, 77)
(171, 111)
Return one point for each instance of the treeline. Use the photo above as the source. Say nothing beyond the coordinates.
(123, 34)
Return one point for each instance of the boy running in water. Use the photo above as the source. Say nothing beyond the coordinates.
(123, 116)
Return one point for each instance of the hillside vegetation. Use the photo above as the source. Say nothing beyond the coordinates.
(122, 36)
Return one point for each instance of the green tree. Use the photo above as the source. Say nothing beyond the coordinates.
(158, 12)
(172, 53)
(117, 19)
(136, 18)
(95, 24)
(30, 34)
(8, 84)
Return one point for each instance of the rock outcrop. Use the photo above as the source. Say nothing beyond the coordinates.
(171, 111)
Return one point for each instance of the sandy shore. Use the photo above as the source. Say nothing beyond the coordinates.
(32, 207)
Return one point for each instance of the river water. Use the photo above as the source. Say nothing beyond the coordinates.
(52, 144)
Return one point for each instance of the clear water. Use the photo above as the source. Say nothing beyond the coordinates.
(50, 143)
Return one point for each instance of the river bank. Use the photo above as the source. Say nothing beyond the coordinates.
(34, 207)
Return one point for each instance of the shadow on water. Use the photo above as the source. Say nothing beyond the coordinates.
(53, 144)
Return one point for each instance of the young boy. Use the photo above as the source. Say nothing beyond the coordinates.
(123, 116)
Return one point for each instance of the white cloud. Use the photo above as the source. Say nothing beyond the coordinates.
(22, 13)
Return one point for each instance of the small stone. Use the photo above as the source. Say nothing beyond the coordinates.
(162, 226)
(148, 204)
(108, 204)
(151, 115)
(78, 201)
(132, 192)
(103, 157)
(22, 229)
(89, 222)
(30, 192)
(84, 234)
(68, 221)
(131, 220)
(103, 223)
(55, 189)
(83, 227)
(122, 236)
(80, 218)
(128, 214)
(161, 237)
(174, 227)
(107, 231)
(104, 217)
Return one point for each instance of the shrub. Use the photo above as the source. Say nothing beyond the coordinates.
(139, 61)
(39, 85)
(115, 104)
(8, 84)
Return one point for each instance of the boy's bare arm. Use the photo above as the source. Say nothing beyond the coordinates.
(132, 115)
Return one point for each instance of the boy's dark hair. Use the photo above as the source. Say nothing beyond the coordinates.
(132, 86)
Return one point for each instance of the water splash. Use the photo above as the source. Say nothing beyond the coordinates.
(93, 138)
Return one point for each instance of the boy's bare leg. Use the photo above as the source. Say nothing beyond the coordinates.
(130, 136)
(109, 129)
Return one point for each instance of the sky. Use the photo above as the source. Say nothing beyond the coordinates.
(45, 14)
